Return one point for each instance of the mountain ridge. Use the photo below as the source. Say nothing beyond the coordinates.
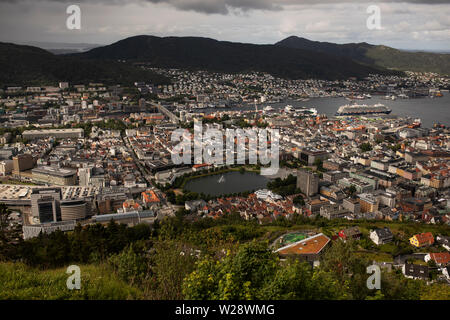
(29, 65)
(377, 55)
(225, 56)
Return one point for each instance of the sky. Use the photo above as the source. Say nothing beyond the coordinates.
(408, 24)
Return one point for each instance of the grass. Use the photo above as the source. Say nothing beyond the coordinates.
(20, 282)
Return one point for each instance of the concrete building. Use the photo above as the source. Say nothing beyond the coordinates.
(6, 167)
(352, 205)
(74, 210)
(308, 182)
(56, 133)
(23, 162)
(84, 176)
(310, 156)
(45, 205)
(334, 211)
(32, 231)
(54, 176)
(333, 176)
(368, 202)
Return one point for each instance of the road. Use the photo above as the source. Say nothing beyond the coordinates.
(148, 178)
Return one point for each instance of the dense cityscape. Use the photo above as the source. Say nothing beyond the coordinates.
(224, 158)
(78, 155)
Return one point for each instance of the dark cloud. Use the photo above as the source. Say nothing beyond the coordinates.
(226, 6)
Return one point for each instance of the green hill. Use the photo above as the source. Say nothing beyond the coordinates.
(27, 65)
(222, 56)
(379, 56)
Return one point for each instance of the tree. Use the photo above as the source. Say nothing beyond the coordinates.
(10, 234)
(299, 200)
(255, 272)
(129, 265)
(319, 164)
(365, 147)
(348, 268)
(170, 263)
(236, 276)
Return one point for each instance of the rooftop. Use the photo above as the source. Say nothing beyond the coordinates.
(312, 245)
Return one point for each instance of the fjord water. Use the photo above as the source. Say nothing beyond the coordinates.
(428, 110)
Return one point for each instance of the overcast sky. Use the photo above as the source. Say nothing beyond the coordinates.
(413, 24)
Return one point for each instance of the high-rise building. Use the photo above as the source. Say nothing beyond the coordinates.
(308, 182)
(84, 176)
(45, 205)
(23, 162)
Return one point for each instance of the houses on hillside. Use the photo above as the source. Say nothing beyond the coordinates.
(381, 236)
(422, 239)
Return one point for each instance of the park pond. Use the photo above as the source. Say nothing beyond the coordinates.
(227, 183)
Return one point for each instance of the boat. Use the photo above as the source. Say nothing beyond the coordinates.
(307, 111)
(362, 109)
(268, 108)
(289, 108)
(313, 111)
(388, 97)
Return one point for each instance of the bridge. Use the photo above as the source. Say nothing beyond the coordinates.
(166, 112)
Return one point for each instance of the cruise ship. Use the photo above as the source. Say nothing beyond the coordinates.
(358, 109)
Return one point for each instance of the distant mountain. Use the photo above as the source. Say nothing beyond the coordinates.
(62, 47)
(221, 56)
(27, 65)
(379, 56)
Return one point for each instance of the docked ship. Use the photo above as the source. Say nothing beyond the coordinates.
(289, 108)
(358, 109)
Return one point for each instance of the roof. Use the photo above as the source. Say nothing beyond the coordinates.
(426, 237)
(150, 196)
(352, 231)
(416, 270)
(54, 171)
(312, 245)
(441, 258)
(383, 232)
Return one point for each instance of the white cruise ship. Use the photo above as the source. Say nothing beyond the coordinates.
(362, 109)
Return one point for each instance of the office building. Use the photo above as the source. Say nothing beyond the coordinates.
(55, 133)
(45, 205)
(308, 182)
(54, 176)
(23, 162)
(74, 210)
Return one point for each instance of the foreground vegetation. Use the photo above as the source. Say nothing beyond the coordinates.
(226, 258)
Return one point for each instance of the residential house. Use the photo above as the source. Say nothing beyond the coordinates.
(443, 241)
(441, 258)
(422, 239)
(415, 271)
(381, 236)
(350, 233)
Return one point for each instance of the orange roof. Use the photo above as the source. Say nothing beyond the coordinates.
(426, 237)
(150, 196)
(312, 245)
(201, 165)
(441, 258)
